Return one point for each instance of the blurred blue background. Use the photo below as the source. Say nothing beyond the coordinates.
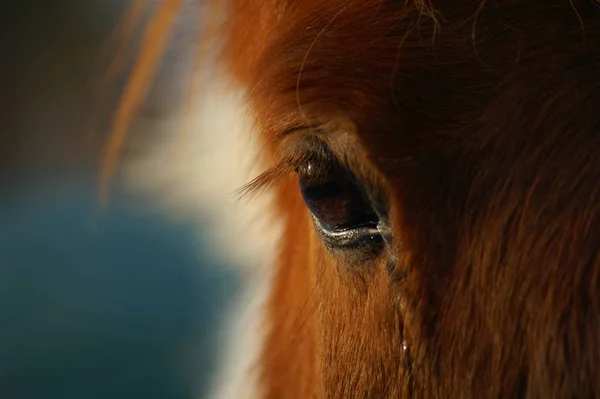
(93, 303)
(103, 304)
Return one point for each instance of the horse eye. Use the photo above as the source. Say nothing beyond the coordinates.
(334, 198)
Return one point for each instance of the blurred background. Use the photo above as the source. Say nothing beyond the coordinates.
(94, 303)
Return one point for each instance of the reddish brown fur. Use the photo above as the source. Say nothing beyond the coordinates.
(289, 367)
(482, 119)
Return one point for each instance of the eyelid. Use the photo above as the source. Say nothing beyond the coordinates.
(299, 144)
(302, 145)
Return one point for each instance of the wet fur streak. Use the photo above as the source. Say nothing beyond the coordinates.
(481, 120)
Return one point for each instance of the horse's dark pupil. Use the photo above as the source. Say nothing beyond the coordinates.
(336, 201)
(322, 191)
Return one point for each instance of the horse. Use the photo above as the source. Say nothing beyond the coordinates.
(416, 192)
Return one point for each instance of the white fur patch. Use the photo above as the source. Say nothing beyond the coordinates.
(195, 173)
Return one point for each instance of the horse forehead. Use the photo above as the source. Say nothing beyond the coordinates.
(392, 67)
